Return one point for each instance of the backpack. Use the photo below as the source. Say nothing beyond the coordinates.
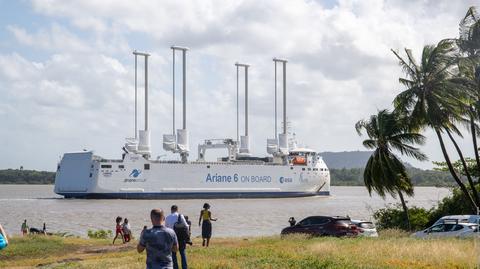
(181, 230)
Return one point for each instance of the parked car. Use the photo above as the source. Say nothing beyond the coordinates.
(459, 218)
(323, 226)
(449, 228)
(365, 228)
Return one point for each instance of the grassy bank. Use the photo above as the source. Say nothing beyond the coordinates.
(389, 251)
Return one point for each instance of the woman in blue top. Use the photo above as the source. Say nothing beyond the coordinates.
(3, 238)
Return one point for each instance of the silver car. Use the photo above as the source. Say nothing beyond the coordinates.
(366, 228)
(447, 229)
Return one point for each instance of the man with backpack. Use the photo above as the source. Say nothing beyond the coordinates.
(178, 223)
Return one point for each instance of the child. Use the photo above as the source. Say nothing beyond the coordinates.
(118, 230)
(24, 228)
(189, 241)
(126, 230)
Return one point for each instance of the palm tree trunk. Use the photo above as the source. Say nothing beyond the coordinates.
(405, 209)
(475, 146)
(465, 167)
(454, 174)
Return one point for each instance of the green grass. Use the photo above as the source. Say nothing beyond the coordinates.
(391, 250)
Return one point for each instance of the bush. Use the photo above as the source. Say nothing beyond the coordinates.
(99, 234)
(420, 218)
(394, 218)
(456, 204)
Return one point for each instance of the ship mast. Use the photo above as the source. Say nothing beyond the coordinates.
(244, 140)
(178, 142)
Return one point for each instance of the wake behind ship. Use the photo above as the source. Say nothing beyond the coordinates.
(289, 171)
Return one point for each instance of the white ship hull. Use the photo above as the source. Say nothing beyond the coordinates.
(83, 175)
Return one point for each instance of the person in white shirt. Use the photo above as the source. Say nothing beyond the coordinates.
(170, 221)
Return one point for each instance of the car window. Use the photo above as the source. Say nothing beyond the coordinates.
(320, 221)
(449, 227)
(437, 228)
(306, 221)
(457, 228)
(366, 225)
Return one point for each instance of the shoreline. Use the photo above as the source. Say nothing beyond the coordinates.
(387, 251)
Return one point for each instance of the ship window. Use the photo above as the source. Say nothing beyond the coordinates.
(291, 168)
(106, 166)
(90, 174)
(121, 166)
(208, 166)
(303, 169)
(315, 169)
(146, 166)
(309, 169)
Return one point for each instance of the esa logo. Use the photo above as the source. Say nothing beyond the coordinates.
(285, 180)
(135, 173)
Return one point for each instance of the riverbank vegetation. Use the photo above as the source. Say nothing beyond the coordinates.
(20, 176)
(339, 177)
(387, 251)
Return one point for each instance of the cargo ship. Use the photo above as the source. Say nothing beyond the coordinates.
(286, 171)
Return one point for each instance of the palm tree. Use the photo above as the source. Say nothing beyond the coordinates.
(469, 76)
(384, 172)
(432, 99)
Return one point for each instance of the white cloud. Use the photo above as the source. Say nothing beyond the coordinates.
(340, 68)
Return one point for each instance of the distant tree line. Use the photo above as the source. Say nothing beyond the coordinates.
(339, 177)
(419, 177)
(20, 176)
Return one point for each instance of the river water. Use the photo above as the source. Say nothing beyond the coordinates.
(236, 217)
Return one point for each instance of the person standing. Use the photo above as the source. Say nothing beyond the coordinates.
(24, 228)
(3, 238)
(118, 230)
(159, 241)
(206, 216)
(127, 232)
(176, 219)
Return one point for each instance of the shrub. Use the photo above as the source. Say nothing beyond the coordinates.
(99, 234)
(394, 218)
(420, 218)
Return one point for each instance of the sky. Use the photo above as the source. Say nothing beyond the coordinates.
(67, 70)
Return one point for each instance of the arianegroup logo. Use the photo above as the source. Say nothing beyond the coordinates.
(135, 173)
(285, 180)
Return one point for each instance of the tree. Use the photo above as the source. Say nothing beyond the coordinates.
(469, 78)
(384, 172)
(433, 99)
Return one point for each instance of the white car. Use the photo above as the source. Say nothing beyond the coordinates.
(459, 218)
(366, 228)
(447, 229)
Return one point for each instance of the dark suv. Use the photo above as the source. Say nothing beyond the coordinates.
(323, 226)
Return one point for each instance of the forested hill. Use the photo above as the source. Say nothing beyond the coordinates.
(20, 176)
(346, 159)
